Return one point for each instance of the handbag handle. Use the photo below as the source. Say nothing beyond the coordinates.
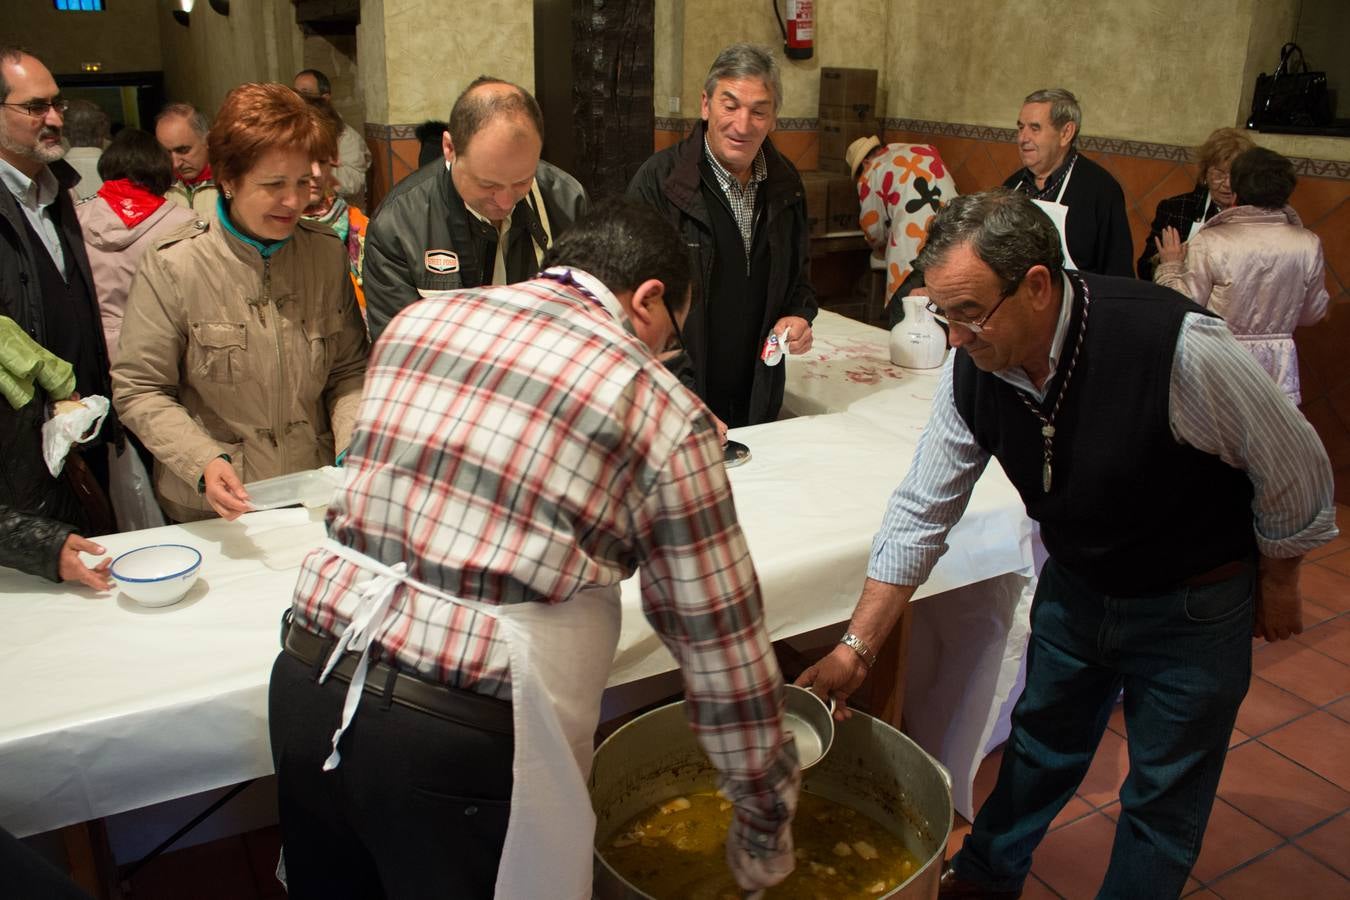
(1286, 60)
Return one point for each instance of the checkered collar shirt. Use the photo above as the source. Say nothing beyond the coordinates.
(518, 444)
(741, 199)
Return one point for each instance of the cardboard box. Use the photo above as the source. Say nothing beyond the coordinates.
(848, 87)
(833, 166)
(817, 201)
(858, 112)
(835, 137)
(843, 204)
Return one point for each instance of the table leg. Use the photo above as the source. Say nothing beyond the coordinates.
(886, 696)
(90, 859)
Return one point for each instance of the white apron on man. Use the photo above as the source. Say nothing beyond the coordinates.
(1059, 214)
(560, 657)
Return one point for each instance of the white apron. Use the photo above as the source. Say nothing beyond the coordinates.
(560, 656)
(1195, 226)
(1059, 214)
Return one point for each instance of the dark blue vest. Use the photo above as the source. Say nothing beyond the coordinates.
(1130, 510)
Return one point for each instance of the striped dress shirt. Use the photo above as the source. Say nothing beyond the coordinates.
(1222, 402)
(518, 444)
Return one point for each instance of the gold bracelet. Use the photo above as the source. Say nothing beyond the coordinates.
(859, 646)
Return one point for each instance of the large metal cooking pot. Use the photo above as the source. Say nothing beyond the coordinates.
(871, 767)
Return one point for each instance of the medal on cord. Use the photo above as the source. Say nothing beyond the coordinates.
(1048, 422)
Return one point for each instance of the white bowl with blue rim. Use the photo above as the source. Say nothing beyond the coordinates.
(158, 575)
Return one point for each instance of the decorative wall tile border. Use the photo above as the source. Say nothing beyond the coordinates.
(1322, 168)
(379, 132)
(953, 129)
(684, 126)
(1317, 168)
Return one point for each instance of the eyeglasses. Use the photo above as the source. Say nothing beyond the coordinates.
(677, 345)
(39, 108)
(978, 325)
(1220, 176)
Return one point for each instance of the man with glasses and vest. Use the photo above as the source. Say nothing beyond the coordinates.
(47, 291)
(483, 215)
(1176, 489)
(519, 452)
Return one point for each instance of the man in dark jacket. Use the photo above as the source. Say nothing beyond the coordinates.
(483, 216)
(47, 289)
(741, 208)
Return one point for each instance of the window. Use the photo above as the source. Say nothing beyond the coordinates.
(79, 5)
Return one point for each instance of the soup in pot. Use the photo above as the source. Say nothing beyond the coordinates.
(676, 851)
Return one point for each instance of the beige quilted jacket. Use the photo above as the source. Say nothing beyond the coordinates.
(225, 352)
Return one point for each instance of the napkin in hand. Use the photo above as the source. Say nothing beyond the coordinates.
(78, 425)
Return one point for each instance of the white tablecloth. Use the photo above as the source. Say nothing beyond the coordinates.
(850, 362)
(109, 706)
(966, 644)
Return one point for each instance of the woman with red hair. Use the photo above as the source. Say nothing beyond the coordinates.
(242, 351)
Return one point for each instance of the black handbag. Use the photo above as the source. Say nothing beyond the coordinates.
(1291, 95)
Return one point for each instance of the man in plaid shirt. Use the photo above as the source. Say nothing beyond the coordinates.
(519, 449)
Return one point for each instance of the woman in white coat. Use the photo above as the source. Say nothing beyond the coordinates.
(125, 218)
(1255, 265)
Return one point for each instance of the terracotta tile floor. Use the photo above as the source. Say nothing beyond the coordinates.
(1280, 826)
(1281, 823)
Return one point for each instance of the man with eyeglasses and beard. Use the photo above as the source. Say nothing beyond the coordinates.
(1177, 490)
(46, 288)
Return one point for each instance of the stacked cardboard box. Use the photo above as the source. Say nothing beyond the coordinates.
(817, 186)
(848, 111)
(848, 103)
(831, 202)
(843, 207)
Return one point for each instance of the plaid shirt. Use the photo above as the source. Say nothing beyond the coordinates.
(1178, 212)
(741, 199)
(517, 444)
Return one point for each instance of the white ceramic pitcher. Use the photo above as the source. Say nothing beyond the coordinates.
(918, 342)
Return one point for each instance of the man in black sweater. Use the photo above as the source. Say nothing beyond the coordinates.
(1083, 199)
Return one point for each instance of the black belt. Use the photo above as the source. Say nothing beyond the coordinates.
(1219, 573)
(435, 699)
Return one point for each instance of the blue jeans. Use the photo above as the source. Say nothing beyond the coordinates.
(1184, 660)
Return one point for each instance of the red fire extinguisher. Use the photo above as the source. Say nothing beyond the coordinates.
(800, 31)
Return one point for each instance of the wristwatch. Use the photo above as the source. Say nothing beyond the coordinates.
(859, 646)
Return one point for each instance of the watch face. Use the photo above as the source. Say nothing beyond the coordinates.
(734, 453)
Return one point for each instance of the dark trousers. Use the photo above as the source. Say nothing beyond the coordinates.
(418, 807)
(25, 874)
(1184, 661)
